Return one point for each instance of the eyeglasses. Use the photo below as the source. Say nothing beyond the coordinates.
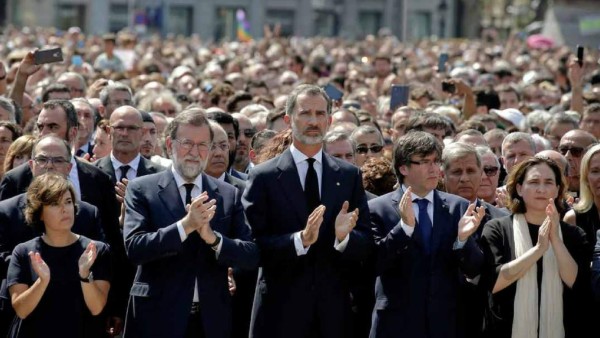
(189, 145)
(490, 171)
(129, 129)
(375, 149)
(575, 151)
(248, 132)
(222, 146)
(44, 161)
(120, 102)
(427, 162)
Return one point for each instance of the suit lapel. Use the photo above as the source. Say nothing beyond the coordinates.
(330, 184)
(168, 192)
(442, 220)
(396, 197)
(212, 190)
(144, 167)
(105, 165)
(290, 185)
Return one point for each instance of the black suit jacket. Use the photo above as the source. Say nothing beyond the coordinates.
(145, 167)
(294, 290)
(167, 268)
(236, 182)
(417, 295)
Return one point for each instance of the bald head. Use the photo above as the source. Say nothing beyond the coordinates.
(556, 157)
(126, 132)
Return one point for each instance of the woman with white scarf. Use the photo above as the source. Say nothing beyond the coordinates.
(537, 267)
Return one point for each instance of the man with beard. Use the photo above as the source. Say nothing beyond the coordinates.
(183, 229)
(247, 130)
(308, 211)
(85, 114)
(150, 141)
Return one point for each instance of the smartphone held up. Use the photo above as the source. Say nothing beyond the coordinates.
(44, 56)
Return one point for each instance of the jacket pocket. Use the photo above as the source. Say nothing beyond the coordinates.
(140, 290)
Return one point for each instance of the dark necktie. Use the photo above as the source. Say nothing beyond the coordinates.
(311, 187)
(124, 169)
(424, 224)
(188, 192)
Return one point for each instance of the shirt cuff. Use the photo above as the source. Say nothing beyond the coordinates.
(219, 246)
(458, 244)
(300, 249)
(182, 233)
(341, 246)
(408, 230)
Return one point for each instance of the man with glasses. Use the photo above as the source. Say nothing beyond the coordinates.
(572, 146)
(424, 239)
(50, 154)
(462, 172)
(231, 127)
(59, 118)
(183, 229)
(490, 176)
(590, 119)
(218, 160)
(369, 143)
(247, 130)
(75, 82)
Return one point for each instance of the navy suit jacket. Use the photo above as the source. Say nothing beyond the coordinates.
(145, 167)
(167, 268)
(292, 290)
(417, 294)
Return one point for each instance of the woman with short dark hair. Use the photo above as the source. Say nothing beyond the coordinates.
(57, 281)
(536, 266)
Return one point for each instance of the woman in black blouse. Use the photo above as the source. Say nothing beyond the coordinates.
(58, 281)
(537, 267)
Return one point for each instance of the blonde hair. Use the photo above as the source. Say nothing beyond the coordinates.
(21, 146)
(586, 198)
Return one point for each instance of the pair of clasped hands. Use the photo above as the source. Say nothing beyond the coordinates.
(467, 225)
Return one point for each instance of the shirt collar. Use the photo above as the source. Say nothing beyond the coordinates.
(428, 197)
(133, 164)
(180, 181)
(298, 156)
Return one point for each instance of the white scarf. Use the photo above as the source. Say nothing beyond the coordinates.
(526, 316)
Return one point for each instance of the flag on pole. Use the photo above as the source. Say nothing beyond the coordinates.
(243, 26)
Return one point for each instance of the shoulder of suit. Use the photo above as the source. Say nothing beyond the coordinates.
(495, 211)
(381, 200)
(17, 172)
(151, 164)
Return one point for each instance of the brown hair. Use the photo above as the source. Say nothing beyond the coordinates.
(22, 146)
(517, 177)
(275, 146)
(378, 176)
(46, 189)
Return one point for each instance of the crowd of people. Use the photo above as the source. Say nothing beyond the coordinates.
(178, 188)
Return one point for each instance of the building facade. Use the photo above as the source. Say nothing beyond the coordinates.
(216, 19)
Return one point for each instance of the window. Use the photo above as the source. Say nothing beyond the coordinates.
(226, 26)
(283, 17)
(419, 23)
(370, 22)
(68, 15)
(180, 19)
(118, 18)
(326, 23)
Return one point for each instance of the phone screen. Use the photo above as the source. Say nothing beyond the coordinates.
(76, 60)
(442, 62)
(399, 96)
(48, 56)
(333, 92)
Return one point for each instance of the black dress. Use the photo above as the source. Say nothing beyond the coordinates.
(498, 247)
(61, 311)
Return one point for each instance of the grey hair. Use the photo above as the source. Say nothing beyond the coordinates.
(458, 150)
(111, 87)
(366, 130)
(305, 89)
(7, 105)
(483, 150)
(515, 137)
(336, 136)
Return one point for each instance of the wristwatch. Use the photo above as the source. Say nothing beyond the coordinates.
(216, 242)
(88, 279)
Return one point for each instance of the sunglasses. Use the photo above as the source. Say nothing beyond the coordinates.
(375, 149)
(490, 171)
(248, 132)
(575, 151)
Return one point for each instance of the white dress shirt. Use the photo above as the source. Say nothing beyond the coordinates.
(302, 167)
(133, 166)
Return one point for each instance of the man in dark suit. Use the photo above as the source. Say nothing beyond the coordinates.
(50, 154)
(245, 280)
(309, 215)
(125, 161)
(232, 129)
(183, 230)
(424, 241)
(463, 172)
(58, 117)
